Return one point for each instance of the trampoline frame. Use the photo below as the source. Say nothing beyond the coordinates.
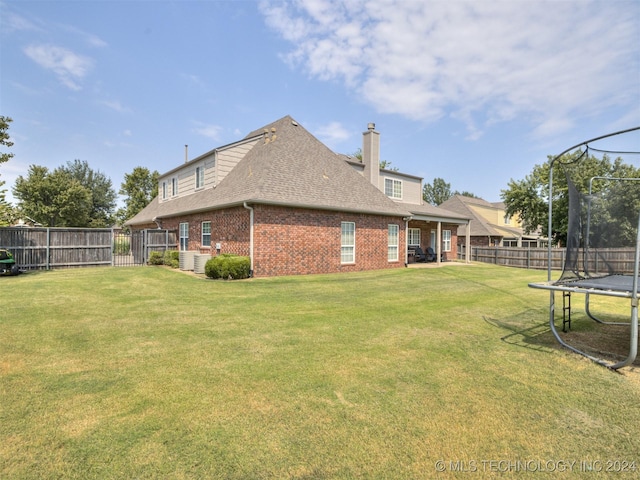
(587, 287)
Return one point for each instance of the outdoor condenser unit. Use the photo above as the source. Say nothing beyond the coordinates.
(199, 261)
(186, 260)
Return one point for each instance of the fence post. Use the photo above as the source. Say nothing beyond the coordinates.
(48, 255)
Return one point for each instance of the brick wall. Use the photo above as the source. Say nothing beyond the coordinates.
(229, 227)
(294, 241)
(290, 241)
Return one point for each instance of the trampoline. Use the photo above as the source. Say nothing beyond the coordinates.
(602, 249)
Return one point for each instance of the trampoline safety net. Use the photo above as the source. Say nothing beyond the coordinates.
(602, 228)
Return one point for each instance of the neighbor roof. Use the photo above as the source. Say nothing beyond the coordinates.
(287, 167)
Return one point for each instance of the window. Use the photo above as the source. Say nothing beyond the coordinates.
(414, 236)
(446, 240)
(184, 236)
(174, 187)
(392, 188)
(392, 249)
(348, 242)
(199, 177)
(206, 234)
(164, 190)
(507, 219)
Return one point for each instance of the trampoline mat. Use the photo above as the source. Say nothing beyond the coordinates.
(617, 283)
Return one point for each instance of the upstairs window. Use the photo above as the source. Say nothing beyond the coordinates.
(164, 190)
(199, 177)
(174, 187)
(393, 188)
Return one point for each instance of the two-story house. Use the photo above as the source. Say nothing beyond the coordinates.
(490, 225)
(283, 198)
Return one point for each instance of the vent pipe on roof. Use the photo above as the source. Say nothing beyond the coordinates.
(186, 153)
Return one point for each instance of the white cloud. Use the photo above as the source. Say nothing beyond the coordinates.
(210, 131)
(69, 67)
(116, 106)
(478, 62)
(332, 133)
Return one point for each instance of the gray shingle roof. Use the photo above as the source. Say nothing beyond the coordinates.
(289, 167)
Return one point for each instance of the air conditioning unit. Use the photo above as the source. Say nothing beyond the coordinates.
(199, 261)
(186, 260)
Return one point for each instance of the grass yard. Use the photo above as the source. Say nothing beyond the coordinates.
(404, 374)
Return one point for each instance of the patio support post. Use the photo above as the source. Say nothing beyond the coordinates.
(467, 252)
(439, 243)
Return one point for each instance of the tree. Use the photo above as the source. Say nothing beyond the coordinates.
(384, 164)
(439, 191)
(436, 193)
(529, 198)
(103, 196)
(7, 212)
(54, 199)
(140, 187)
(69, 196)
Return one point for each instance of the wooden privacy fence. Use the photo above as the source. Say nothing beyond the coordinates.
(45, 248)
(621, 259)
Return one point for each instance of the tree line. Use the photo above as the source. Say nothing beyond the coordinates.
(72, 195)
(75, 195)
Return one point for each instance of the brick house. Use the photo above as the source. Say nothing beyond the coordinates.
(490, 225)
(283, 198)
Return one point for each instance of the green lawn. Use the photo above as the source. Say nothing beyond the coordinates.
(152, 373)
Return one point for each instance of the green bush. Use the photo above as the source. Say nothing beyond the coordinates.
(121, 246)
(228, 266)
(156, 258)
(172, 258)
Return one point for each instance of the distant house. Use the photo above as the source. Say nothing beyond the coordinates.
(283, 198)
(490, 225)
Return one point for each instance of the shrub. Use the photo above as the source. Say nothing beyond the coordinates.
(172, 258)
(156, 258)
(121, 246)
(228, 266)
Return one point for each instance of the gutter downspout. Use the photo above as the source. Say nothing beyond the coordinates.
(245, 205)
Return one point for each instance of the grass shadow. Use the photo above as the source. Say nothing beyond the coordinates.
(523, 332)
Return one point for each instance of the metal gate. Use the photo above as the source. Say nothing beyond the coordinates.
(133, 249)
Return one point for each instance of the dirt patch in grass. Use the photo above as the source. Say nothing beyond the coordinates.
(609, 342)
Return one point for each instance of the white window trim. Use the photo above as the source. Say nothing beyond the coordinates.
(184, 226)
(446, 240)
(174, 187)
(164, 190)
(346, 247)
(393, 248)
(394, 182)
(411, 234)
(199, 177)
(202, 244)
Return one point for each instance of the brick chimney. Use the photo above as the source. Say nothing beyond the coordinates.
(371, 154)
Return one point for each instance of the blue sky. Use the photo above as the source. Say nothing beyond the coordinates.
(476, 93)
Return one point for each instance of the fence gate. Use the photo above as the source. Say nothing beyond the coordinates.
(133, 249)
